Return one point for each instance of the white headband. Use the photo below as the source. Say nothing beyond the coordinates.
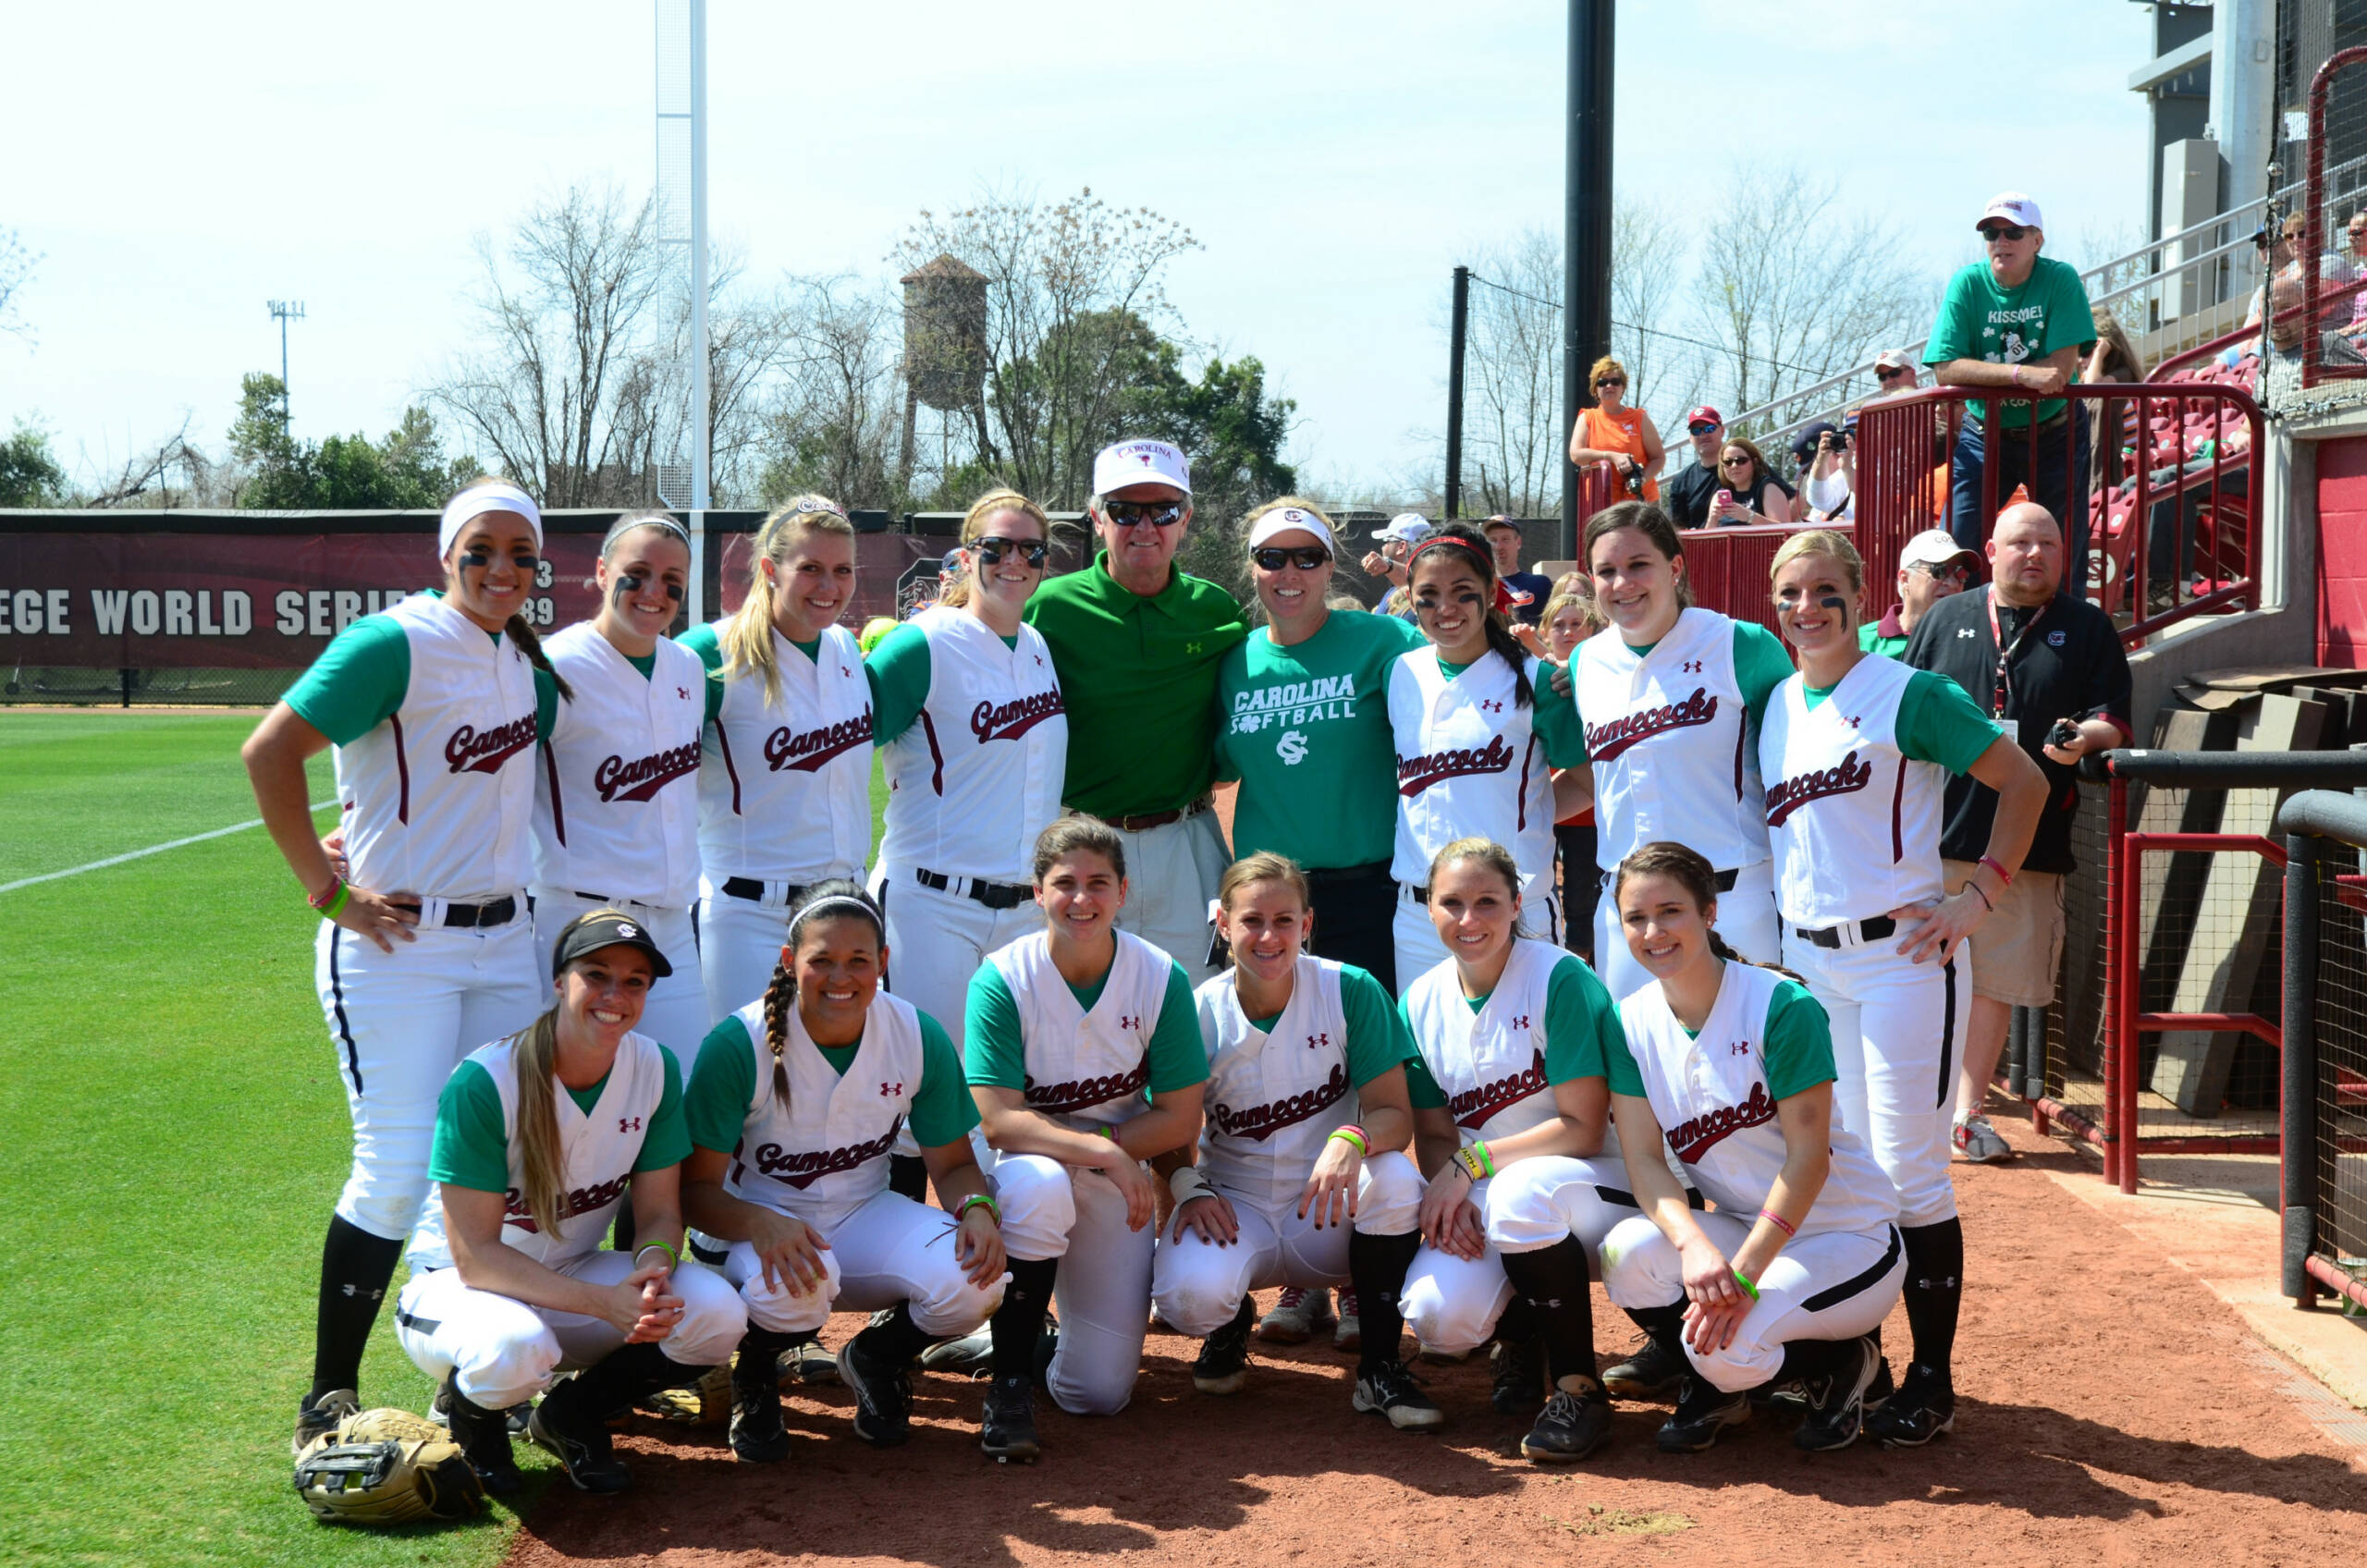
(479, 499)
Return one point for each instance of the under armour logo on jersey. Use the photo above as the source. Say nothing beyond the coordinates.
(1692, 666)
(1039, 661)
(1315, 1040)
(627, 1123)
(1967, 631)
(683, 692)
(1491, 705)
(1124, 1021)
(1853, 721)
(1740, 1047)
(1191, 647)
(889, 1091)
(1521, 1022)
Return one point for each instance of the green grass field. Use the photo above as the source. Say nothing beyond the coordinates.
(174, 1136)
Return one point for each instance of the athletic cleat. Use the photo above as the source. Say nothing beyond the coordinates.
(807, 1363)
(968, 1356)
(883, 1394)
(1007, 1431)
(1520, 1375)
(1924, 1406)
(1431, 1354)
(1393, 1390)
(1700, 1414)
(581, 1448)
(1837, 1403)
(1222, 1365)
(1571, 1427)
(483, 1437)
(1882, 1388)
(1978, 1143)
(1296, 1317)
(1348, 1334)
(1652, 1371)
(319, 1417)
(758, 1436)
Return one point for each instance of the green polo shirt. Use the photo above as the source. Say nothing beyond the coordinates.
(1138, 677)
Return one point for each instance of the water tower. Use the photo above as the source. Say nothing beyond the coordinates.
(945, 345)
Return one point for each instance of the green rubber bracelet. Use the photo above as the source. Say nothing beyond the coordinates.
(673, 1258)
(335, 906)
(1748, 1287)
(992, 1208)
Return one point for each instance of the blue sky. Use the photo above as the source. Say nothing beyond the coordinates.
(180, 165)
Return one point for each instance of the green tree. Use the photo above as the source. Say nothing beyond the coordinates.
(29, 473)
(407, 470)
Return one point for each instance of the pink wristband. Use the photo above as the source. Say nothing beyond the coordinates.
(1779, 1222)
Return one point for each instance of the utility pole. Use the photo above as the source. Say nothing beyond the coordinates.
(283, 312)
(1453, 507)
(1585, 235)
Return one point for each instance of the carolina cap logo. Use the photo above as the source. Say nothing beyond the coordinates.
(628, 930)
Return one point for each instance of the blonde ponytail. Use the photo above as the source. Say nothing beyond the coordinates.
(535, 1050)
(747, 637)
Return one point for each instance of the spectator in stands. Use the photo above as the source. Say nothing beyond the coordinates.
(1932, 567)
(1748, 494)
(1894, 374)
(1689, 492)
(1829, 474)
(1504, 540)
(1614, 433)
(1397, 540)
(2062, 689)
(2018, 321)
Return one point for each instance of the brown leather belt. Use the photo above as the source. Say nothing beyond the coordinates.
(1149, 820)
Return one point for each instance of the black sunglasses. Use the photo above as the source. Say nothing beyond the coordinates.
(991, 550)
(1889, 373)
(1129, 514)
(1947, 571)
(1306, 558)
(1611, 380)
(2003, 231)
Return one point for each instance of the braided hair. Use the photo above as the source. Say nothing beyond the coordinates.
(830, 897)
(1464, 544)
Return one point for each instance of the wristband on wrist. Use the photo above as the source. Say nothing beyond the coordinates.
(335, 902)
(1748, 1287)
(1352, 1134)
(2004, 878)
(1474, 1159)
(972, 1201)
(323, 900)
(1974, 888)
(1779, 1222)
(1186, 1182)
(673, 1258)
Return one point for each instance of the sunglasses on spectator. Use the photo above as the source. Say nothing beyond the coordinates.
(2009, 231)
(1948, 572)
(992, 551)
(1733, 462)
(1132, 514)
(1889, 373)
(1306, 558)
(1699, 429)
(1611, 380)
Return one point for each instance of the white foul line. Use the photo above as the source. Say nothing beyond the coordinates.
(150, 850)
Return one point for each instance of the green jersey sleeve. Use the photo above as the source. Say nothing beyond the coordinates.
(723, 1082)
(1554, 718)
(1178, 1060)
(1420, 1087)
(668, 1142)
(356, 684)
(1581, 1024)
(1627, 1078)
(1798, 1043)
(1761, 665)
(943, 1111)
(1378, 1039)
(1937, 722)
(898, 670)
(994, 1053)
(471, 1148)
(702, 641)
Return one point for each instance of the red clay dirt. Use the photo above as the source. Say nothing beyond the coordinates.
(2109, 1409)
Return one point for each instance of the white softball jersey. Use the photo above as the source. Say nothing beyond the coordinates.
(1087, 1069)
(1490, 1064)
(1469, 764)
(1667, 733)
(785, 788)
(1273, 1097)
(1710, 1094)
(598, 1147)
(1854, 823)
(439, 799)
(824, 1153)
(615, 806)
(978, 774)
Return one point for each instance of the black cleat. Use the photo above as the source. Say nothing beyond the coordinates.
(581, 1446)
(1924, 1407)
(1700, 1414)
(969, 1356)
(1654, 1371)
(1008, 1429)
(1571, 1427)
(1837, 1403)
(758, 1436)
(1520, 1375)
(883, 1392)
(1391, 1391)
(317, 1418)
(1222, 1365)
(483, 1437)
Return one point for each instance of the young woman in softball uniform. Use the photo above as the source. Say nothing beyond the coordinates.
(1729, 1065)
(1084, 1054)
(539, 1137)
(424, 952)
(1302, 1178)
(616, 800)
(1510, 1101)
(1475, 744)
(1855, 751)
(785, 769)
(1671, 697)
(794, 1106)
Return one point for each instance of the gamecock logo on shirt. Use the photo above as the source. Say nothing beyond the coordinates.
(1605, 741)
(806, 752)
(1262, 1122)
(1417, 773)
(1474, 1106)
(1693, 1139)
(1008, 721)
(804, 1170)
(1844, 777)
(516, 1211)
(471, 750)
(1079, 1093)
(618, 779)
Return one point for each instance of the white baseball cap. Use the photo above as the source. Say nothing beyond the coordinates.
(1894, 359)
(1140, 462)
(2013, 207)
(1934, 547)
(1405, 528)
(1288, 520)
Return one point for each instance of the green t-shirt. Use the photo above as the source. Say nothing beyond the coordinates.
(1936, 721)
(1305, 729)
(1581, 1031)
(1762, 664)
(702, 641)
(1139, 678)
(361, 678)
(995, 1053)
(471, 1149)
(2010, 326)
(1796, 1046)
(1870, 639)
(1378, 1039)
(723, 1081)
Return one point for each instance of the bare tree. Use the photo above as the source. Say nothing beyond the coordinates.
(834, 428)
(16, 265)
(171, 472)
(1512, 390)
(1648, 251)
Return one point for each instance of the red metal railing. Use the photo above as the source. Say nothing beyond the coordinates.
(2313, 366)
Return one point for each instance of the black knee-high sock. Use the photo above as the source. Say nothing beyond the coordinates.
(1517, 1322)
(1805, 1359)
(1934, 1290)
(760, 1351)
(1377, 1267)
(1665, 1325)
(1554, 1281)
(897, 1337)
(356, 1267)
(1020, 1320)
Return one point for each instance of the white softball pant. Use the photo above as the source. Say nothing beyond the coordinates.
(401, 1023)
(889, 1249)
(1199, 1285)
(936, 941)
(1172, 875)
(1833, 1285)
(1747, 919)
(1452, 1304)
(505, 1351)
(675, 1014)
(1898, 1032)
(1419, 949)
(740, 943)
(1103, 1286)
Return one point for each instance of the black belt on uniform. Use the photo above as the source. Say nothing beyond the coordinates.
(501, 912)
(752, 890)
(994, 894)
(1872, 930)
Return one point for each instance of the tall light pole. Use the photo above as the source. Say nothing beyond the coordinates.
(283, 312)
(1586, 237)
(682, 223)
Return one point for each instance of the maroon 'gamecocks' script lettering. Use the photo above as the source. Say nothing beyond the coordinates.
(1788, 795)
(1693, 1139)
(801, 1170)
(583, 1200)
(806, 753)
(1008, 721)
(1417, 773)
(1474, 1106)
(1262, 1122)
(1080, 1092)
(618, 779)
(1605, 741)
(469, 752)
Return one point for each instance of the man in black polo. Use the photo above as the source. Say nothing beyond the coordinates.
(2063, 663)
